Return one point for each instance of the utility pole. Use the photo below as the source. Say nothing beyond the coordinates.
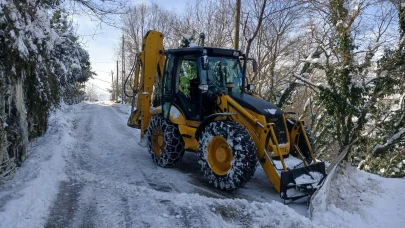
(116, 91)
(123, 71)
(237, 23)
(112, 85)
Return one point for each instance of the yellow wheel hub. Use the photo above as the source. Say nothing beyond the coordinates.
(157, 142)
(220, 155)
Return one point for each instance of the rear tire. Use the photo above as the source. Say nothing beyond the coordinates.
(228, 155)
(164, 142)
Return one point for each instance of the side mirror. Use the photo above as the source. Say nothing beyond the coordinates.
(250, 87)
(203, 88)
(204, 63)
(254, 66)
(230, 86)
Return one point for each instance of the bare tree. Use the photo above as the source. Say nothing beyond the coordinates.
(323, 59)
(104, 11)
(91, 92)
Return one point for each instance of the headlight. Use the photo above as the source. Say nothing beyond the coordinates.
(203, 87)
(250, 87)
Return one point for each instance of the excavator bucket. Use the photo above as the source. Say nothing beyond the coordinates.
(300, 182)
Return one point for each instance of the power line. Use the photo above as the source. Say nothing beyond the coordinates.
(102, 71)
(98, 87)
(93, 34)
(102, 80)
(105, 62)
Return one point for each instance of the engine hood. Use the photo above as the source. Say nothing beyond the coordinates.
(258, 105)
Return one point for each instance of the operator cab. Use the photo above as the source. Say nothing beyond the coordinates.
(194, 76)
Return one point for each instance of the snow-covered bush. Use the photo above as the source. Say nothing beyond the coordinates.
(39, 46)
(41, 63)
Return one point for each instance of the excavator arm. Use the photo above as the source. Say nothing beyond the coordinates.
(149, 68)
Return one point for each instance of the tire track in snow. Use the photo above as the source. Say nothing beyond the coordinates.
(65, 206)
(92, 159)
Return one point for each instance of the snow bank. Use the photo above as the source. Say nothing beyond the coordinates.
(29, 195)
(359, 199)
(122, 108)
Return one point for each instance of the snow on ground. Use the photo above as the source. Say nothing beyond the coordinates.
(88, 171)
(27, 198)
(360, 199)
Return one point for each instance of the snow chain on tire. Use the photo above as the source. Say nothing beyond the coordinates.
(173, 149)
(243, 164)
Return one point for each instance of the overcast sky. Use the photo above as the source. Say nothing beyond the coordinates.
(101, 41)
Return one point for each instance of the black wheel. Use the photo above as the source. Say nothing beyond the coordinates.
(228, 155)
(300, 140)
(164, 142)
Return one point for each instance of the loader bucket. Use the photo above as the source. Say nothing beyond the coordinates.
(301, 182)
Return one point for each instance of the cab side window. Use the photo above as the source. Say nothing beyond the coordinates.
(168, 75)
(188, 77)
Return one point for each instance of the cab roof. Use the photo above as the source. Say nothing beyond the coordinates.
(200, 50)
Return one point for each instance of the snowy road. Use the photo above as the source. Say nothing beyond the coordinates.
(88, 171)
(104, 179)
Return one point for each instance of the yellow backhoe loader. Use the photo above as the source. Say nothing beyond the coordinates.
(205, 107)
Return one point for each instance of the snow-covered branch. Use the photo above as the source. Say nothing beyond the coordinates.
(307, 82)
(397, 137)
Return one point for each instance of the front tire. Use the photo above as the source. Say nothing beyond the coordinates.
(227, 155)
(164, 142)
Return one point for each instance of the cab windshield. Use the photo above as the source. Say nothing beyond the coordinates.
(222, 71)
